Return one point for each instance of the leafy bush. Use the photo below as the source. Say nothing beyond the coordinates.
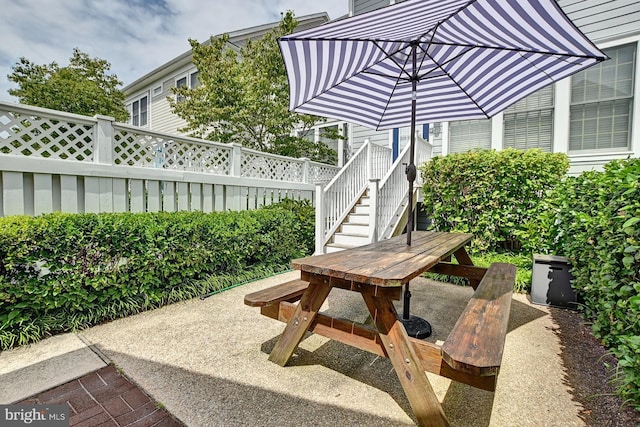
(60, 271)
(521, 261)
(490, 194)
(305, 227)
(594, 220)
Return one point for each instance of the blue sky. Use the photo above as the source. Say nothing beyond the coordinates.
(135, 36)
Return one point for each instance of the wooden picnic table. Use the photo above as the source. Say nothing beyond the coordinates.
(472, 352)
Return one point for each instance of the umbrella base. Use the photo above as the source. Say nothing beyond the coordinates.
(416, 327)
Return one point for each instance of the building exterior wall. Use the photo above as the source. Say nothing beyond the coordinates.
(609, 24)
(158, 83)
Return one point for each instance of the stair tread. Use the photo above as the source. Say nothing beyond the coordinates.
(352, 234)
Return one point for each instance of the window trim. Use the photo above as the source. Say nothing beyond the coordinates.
(632, 99)
(131, 105)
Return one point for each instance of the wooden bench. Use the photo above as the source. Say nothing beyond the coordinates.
(269, 299)
(476, 343)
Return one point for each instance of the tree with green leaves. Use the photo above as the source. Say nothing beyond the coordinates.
(82, 87)
(243, 97)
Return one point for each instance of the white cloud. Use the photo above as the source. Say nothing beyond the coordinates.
(135, 36)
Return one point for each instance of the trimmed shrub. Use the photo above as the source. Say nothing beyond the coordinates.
(491, 194)
(594, 220)
(60, 272)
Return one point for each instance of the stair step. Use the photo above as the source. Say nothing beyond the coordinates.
(361, 209)
(351, 228)
(351, 239)
(358, 219)
(334, 247)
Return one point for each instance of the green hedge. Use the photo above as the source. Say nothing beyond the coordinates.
(491, 194)
(594, 220)
(523, 263)
(59, 272)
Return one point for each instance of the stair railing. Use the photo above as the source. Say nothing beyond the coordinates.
(335, 201)
(393, 189)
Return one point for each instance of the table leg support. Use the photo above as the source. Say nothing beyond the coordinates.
(415, 383)
(305, 313)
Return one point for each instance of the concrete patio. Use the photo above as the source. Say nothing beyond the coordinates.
(206, 362)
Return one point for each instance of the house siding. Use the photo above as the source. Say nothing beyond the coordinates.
(161, 118)
(608, 23)
(604, 19)
(365, 6)
(360, 133)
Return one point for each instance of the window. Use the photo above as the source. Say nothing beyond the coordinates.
(138, 111)
(181, 82)
(601, 99)
(529, 122)
(325, 134)
(194, 80)
(465, 135)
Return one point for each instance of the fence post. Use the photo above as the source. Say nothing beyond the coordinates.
(233, 193)
(319, 220)
(104, 140)
(373, 209)
(306, 169)
(236, 160)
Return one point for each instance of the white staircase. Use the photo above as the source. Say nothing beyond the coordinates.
(367, 200)
(354, 230)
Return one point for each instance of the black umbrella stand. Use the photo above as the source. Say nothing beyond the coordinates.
(415, 326)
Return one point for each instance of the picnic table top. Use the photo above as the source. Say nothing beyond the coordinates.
(389, 262)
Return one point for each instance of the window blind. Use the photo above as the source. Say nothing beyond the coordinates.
(529, 122)
(601, 100)
(465, 135)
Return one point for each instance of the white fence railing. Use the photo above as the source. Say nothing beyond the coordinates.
(393, 189)
(54, 161)
(335, 201)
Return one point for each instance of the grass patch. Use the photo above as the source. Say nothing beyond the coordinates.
(523, 263)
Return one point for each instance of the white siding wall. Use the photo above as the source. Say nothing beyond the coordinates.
(360, 133)
(604, 19)
(363, 6)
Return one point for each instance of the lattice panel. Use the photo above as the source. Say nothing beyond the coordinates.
(322, 174)
(28, 135)
(263, 167)
(136, 149)
(198, 158)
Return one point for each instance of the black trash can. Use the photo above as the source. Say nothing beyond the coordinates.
(551, 282)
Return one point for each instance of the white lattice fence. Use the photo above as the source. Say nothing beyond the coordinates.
(320, 172)
(53, 161)
(255, 164)
(134, 148)
(27, 134)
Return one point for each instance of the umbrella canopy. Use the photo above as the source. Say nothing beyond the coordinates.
(469, 60)
(432, 60)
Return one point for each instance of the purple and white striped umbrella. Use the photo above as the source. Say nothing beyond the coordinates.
(472, 60)
(432, 60)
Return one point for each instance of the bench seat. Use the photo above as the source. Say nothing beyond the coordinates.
(476, 343)
(269, 299)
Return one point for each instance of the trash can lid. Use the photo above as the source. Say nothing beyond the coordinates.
(549, 258)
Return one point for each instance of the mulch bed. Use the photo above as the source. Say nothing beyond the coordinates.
(589, 369)
(106, 398)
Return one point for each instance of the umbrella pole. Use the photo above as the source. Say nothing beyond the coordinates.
(414, 325)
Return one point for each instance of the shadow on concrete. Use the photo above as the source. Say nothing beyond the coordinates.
(203, 400)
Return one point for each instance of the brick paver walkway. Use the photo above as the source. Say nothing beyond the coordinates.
(106, 398)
